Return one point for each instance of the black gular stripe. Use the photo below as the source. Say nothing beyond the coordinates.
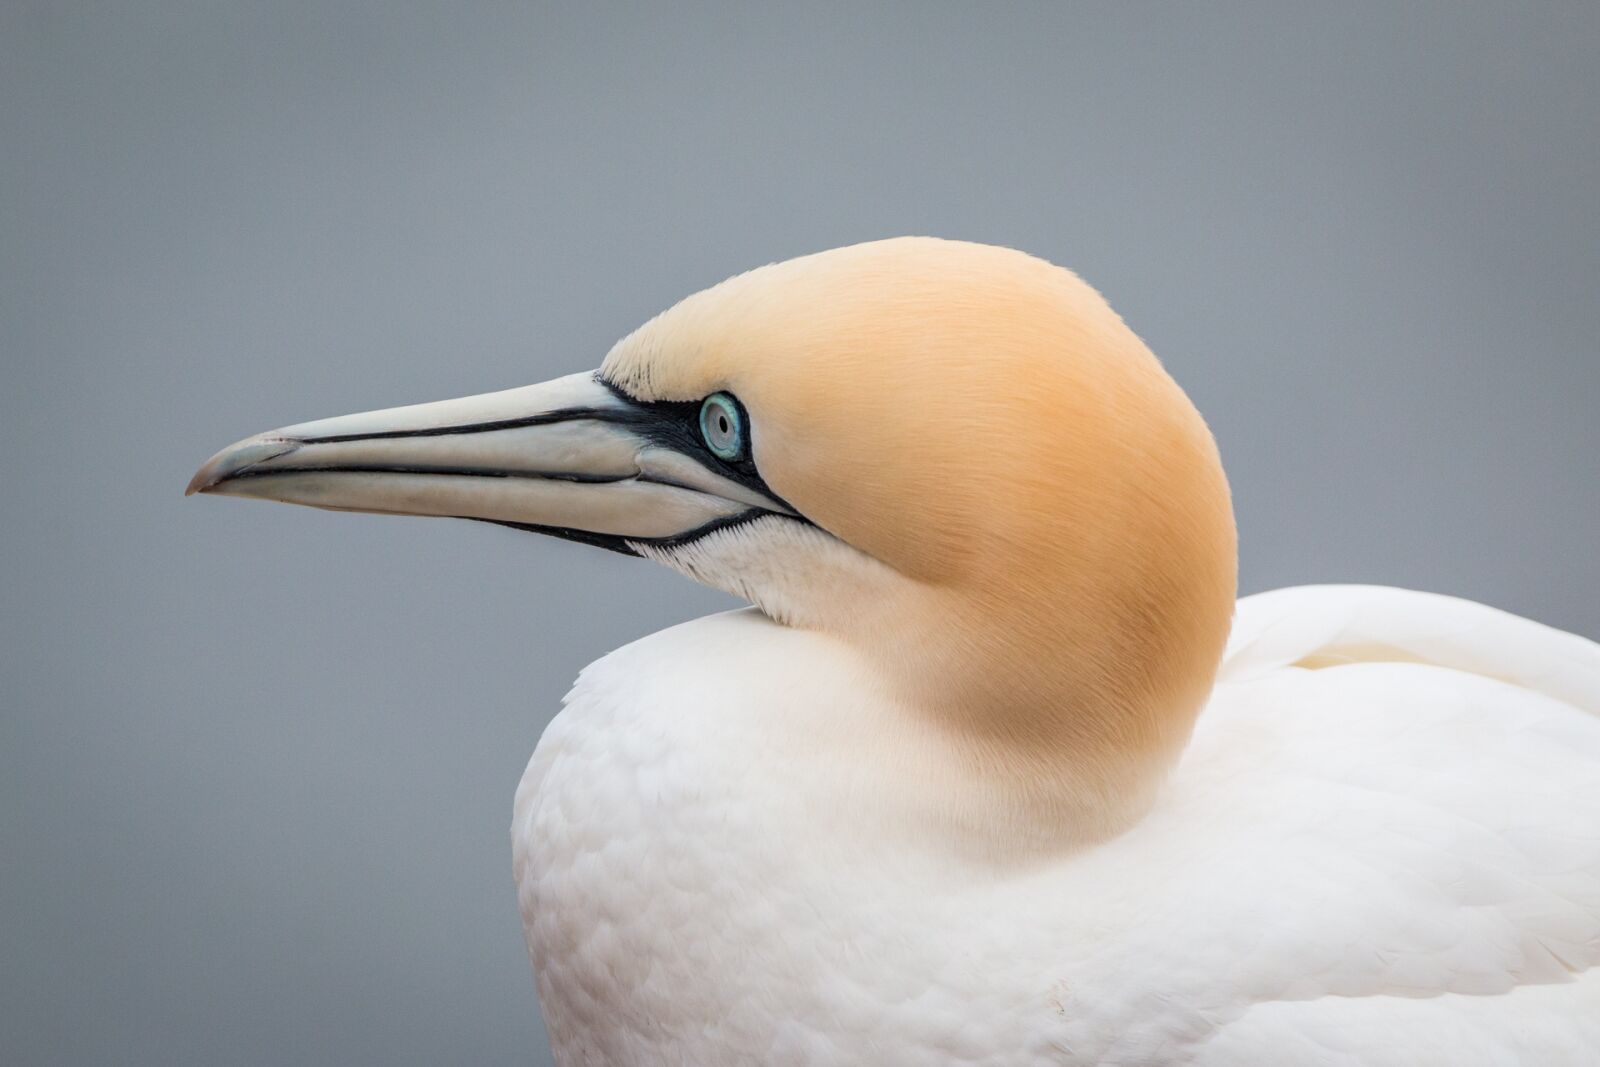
(624, 545)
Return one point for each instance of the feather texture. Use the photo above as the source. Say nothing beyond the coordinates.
(1382, 847)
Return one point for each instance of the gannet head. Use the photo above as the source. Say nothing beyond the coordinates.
(955, 457)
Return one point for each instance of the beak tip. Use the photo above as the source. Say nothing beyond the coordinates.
(203, 479)
(234, 459)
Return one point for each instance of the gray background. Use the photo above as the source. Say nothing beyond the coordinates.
(256, 762)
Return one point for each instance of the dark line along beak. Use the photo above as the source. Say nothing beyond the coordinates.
(569, 457)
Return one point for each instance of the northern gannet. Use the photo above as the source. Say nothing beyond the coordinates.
(982, 778)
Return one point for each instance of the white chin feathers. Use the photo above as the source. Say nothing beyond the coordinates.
(794, 572)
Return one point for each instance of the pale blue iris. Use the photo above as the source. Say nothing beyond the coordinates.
(722, 426)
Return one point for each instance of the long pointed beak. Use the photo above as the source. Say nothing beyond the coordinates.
(570, 457)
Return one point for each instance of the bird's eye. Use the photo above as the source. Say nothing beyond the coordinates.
(722, 426)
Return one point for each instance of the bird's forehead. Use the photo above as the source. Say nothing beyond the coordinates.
(851, 311)
(723, 336)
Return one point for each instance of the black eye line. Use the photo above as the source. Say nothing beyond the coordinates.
(675, 424)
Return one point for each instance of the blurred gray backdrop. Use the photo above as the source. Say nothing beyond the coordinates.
(256, 762)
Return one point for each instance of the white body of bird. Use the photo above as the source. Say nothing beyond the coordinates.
(998, 773)
(1380, 849)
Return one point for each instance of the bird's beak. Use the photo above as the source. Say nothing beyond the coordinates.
(571, 457)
